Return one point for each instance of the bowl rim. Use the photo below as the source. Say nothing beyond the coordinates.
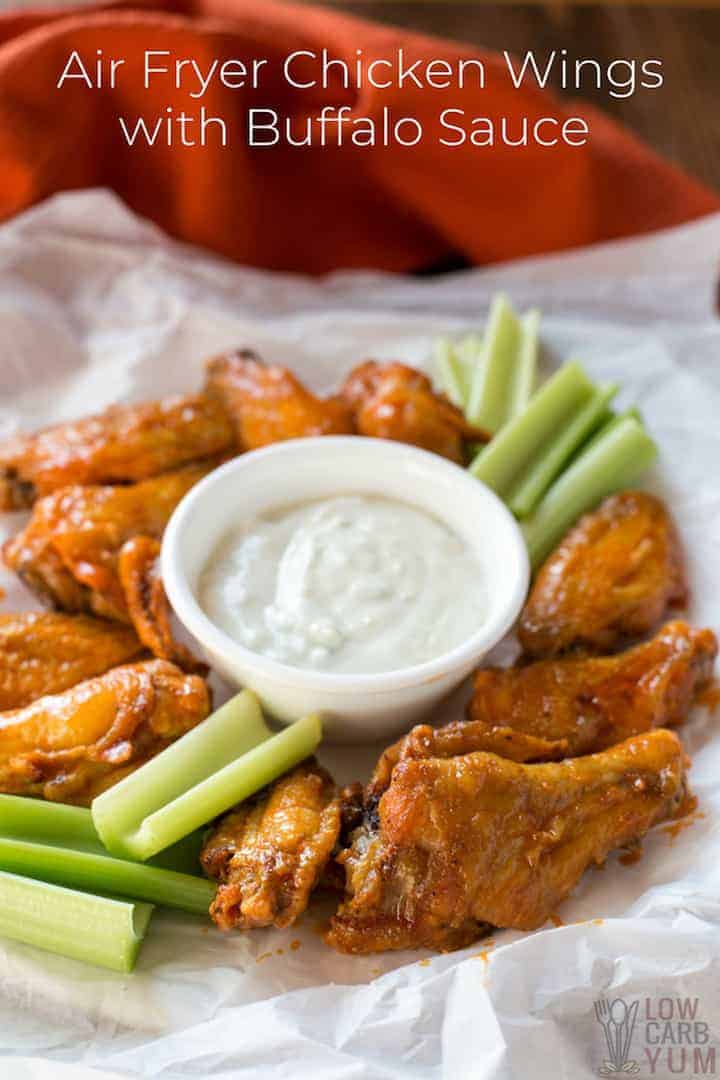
(190, 613)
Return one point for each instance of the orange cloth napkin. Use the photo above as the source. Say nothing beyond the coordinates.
(314, 209)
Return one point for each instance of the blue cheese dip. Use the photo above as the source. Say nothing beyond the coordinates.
(355, 584)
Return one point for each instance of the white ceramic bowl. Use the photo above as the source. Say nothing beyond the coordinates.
(356, 708)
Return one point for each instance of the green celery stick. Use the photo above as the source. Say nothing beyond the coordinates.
(96, 929)
(102, 873)
(503, 463)
(469, 353)
(525, 372)
(50, 823)
(551, 461)
(612, 422)
(451, 376)
(614, 459)
(226, 735)
(469, 349)
(222, 761)
(227, 787)
(491, 393)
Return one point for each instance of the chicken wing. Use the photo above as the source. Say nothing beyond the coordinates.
(612, 578)
(46, 653)
(270, 852)
(71, 746)
(462, 844)
(68, 553)
(147, 604)
(394, 401)
(570, 706)
(125, 444)
(567, 707)
(268, 404)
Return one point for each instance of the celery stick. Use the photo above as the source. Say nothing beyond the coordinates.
(49, 822)
(102, 873)
(72, 827)
(220, 762)
(613, 460)
(491, 391)
(502, 464)
(551, 461)
(451, 376)
(230, 785)
(612, 422)
(525, 371)
(469, 350)
(469, 353)
(96, 929)
(230, 732)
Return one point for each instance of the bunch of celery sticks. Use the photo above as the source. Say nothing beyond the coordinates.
(83, 883)
(555, 451)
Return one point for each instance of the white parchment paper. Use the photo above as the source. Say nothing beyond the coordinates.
(97, 306)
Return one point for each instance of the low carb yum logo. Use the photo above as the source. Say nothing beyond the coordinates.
(671, 1038)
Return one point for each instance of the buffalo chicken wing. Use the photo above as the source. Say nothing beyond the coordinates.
(71, 746)
(611, 579)
(68, 553)
(567, 707)
(269, 853)
(147, 604)
(268, 404)
(571, 706)
(394, 401)
(125, 444)
(458, 845)
(47, 652)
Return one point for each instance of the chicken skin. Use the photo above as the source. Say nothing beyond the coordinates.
(567, 707)
(394, 401)
(269, 853)
(459, 845)
(125, 444)
(612, 579)
(71, 746)
(47, 652)
(268, 404)
(68, 553)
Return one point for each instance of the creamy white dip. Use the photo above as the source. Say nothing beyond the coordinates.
(354, 584)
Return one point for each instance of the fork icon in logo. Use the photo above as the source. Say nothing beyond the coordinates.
(618, 1023)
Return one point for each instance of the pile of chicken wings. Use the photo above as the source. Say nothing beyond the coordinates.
(486, 822)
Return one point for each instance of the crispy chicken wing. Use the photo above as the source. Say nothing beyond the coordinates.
(68, 553)
(461, 844)
(611, 579)
(126, 443)
(269, 853)
(46, 653)
(394, 401)
(147, 604)
(570, 706)
(268, 404)
(71, 746)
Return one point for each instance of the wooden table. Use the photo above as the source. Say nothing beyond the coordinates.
(681, 120)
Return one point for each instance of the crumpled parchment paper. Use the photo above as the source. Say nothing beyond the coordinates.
(97, 306)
